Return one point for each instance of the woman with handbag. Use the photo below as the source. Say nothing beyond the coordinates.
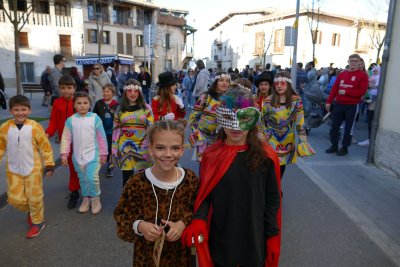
(283, 116)
(203, 119)
(131, 121)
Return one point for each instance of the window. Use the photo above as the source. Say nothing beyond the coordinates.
(106, 37)
(260, 42)
(97, 10)
(27, 72)
(129, 44)
(23, 40)
(335, 39)
(65, 45)
(167, 41)
(92, 37)
(120, 43)
(278, 41)
(169, 64)
(317, 37)
(21, 5)
(42, 7)
(139, 40)
(122, 15)
(62, 9)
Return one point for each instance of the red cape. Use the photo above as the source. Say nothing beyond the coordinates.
(215, 162)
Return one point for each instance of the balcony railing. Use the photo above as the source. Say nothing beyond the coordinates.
(3, 16)
(40, 19)
(63, 21)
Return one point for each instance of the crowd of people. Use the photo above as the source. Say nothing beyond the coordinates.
(245, 129)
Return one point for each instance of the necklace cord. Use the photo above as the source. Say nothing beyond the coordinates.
(170, 204)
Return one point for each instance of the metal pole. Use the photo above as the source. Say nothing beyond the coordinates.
(148, 54)
(381, 86)
(293, 72)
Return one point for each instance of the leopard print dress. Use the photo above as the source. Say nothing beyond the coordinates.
(137, 202)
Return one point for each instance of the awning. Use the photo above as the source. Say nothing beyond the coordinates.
(104, 59)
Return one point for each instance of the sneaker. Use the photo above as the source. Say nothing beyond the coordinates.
(73, 199)
(35, 230)
(85, 206)
(332, 149)
(364, 143)
(96, 205)
(109, 173)
(29, 220)
(342, 151)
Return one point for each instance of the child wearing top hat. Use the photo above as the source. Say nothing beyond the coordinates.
(166, 105)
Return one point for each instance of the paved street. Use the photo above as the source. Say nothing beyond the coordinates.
(337, 211)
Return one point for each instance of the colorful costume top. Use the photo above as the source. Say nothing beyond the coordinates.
(129, 149)
(25, 147)
(159, 114)
(138, 202)
(86, 133)
(62, 109)
(203, 123)
(280, 125)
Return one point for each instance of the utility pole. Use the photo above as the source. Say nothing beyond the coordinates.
(293, 72)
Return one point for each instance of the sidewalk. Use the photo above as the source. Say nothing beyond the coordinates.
(369, 196)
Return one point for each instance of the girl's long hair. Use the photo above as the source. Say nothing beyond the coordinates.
(256, 157)
(166, 96)
(275, 99)
(124, 105)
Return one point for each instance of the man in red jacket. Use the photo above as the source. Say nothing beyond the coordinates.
(349, 88)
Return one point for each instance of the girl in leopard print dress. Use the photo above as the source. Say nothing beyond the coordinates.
(157, 204)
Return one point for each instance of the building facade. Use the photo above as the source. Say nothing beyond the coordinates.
(173, 47)
(230, 43)
(115, 31)
(336, 37)
(53, 27)
(267, 40)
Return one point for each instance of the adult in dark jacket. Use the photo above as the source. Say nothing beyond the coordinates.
(45, 83)
(145, 80)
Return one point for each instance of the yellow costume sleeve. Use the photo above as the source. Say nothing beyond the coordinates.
(43, 145)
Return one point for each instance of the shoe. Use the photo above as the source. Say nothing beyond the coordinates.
(73, 199)
(35, 230)
(85, 206)
(364, 143)
(96, 205)
(109, 173)
(342, 151)
(29, 220)
(354, 140)
(332, 149)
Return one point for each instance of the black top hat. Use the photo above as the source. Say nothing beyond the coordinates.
(265, 76)
(166, 79)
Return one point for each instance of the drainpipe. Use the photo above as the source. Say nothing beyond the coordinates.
(381, 86)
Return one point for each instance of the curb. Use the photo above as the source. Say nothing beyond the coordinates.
(3, 197)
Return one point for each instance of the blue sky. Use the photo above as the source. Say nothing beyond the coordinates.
(205, 13)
